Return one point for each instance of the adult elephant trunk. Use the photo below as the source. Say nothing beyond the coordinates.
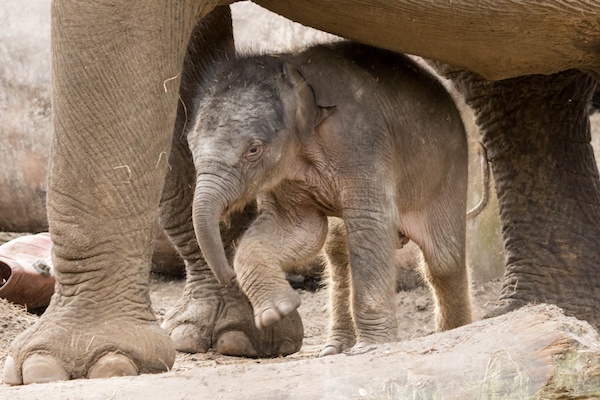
(209, 204)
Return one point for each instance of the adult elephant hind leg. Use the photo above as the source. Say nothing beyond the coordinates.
(441, 236)
(537, 134)
(113, 111)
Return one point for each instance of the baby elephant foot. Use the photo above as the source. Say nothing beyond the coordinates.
(222, 320)
(332, 348)
(76, 344)
(504, 306)
(274, 309)
(361, 348)
(338, 343)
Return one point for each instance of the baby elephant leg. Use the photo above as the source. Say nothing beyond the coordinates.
(443, 246)
(450, 284)
(371, 243)
(342, 332)
(272, 242)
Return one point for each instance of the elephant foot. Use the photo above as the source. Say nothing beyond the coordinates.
(68, 344)
(333, 347)
(223, 322)
(338, 342)
(505, 306)
(275, 308)
(361, 348)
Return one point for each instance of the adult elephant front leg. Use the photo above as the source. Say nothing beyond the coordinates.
(537, 135)
(116, 76)
(210, 315)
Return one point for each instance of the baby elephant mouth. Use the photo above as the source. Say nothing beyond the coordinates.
(232, 208)
(225, 213)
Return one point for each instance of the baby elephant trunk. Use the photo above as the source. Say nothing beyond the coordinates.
(207, 208)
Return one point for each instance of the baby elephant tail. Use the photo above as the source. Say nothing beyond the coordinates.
(485, 187)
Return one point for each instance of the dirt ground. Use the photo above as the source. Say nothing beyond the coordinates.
(414, 312)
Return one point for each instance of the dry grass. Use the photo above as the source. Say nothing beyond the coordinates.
(13, 320)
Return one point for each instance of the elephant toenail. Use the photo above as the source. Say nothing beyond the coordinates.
(267, 318)
(113, 364)
(11, 376)
(329, 350)
(235, 343)
(188, 339)
(287, 348)
(285, 307)
(42, 368)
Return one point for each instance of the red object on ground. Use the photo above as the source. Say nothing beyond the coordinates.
(26, 274)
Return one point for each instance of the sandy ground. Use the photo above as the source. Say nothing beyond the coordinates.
(533, 353)
(414, 311)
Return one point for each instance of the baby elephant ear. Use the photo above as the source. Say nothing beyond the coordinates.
(304, 114)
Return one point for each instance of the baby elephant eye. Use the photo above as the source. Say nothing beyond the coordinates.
(254, 151)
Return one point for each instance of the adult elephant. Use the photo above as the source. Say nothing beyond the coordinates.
(117, 69)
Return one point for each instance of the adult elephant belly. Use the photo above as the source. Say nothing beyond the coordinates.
(437, 30)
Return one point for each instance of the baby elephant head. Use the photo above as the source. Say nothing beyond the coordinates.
(251, 127)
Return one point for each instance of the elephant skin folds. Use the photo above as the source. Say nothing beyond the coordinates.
(103, 199)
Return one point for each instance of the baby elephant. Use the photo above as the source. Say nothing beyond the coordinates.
(340, 130)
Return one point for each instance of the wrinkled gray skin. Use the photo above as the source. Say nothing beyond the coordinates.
(340, 130)
(527, 68)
